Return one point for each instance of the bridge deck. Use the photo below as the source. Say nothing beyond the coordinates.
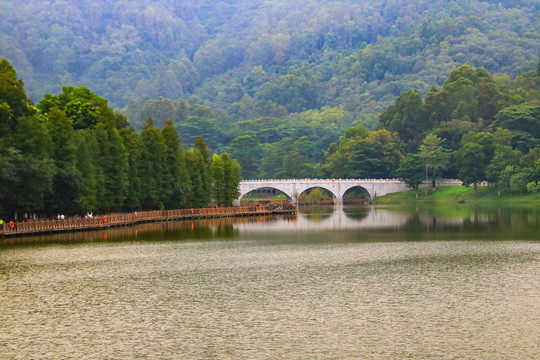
(21, 228)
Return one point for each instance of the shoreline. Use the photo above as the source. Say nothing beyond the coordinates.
(460, 195)
(36, 227)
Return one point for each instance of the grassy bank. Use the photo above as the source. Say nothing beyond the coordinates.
(459, 194)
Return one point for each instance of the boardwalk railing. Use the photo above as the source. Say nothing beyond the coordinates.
(125, 219)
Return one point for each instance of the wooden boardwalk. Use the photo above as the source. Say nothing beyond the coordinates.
(19, 228)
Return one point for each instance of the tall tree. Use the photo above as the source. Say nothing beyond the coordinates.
(411, 170)
(233, 173)
(20, 196)
(200, 176)
(60, 129)
(504, 156)
(434, 155)
(113, 160)
(26, 171)
(87, 163)
(13, 100)
(206, 177)
(474, 154)
(470, 156)
(177, 177)
(365, 161)
(134, 150)
(226, 179)
(68, 187)
(218, 183)
(31, 137)
(153, 172)
(390, 147)
(408, 117)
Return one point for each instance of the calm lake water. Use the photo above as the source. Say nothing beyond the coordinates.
(330, 283)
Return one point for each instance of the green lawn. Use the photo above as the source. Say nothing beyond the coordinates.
(459, 194)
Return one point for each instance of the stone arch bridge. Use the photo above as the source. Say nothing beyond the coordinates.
(292, 188)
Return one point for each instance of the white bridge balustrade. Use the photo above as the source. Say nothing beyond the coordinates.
(292, 188)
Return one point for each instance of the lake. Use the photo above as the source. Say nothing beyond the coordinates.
(347, 282)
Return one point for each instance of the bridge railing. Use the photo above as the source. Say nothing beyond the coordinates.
(122, 219)
(316, 180)
(337, 180)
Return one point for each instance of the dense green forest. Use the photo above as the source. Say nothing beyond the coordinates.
(287, 89)
(320, 143)
(475, 128)
(280, 76)
(253, 58)
(71, 153)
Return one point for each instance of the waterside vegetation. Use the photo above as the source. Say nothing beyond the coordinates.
(72, 154)
(81, 155)
(276, 84)
(445, 195)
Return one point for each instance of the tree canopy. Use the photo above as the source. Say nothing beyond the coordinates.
(72, 154)
(286, 56)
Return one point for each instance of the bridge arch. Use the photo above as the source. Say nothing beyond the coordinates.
(274, 188)
(309, 188)
(294, 187)
(357, 187)
(373, 187)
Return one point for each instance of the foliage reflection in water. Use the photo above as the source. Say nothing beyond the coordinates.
(329, 283)
(426, 223)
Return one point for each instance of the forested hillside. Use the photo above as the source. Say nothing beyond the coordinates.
(256, 58)
(475, 128)
(298, 89)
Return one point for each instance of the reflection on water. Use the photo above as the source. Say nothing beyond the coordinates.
(435, 222)
(457, 222)
(328, 283)
(439, 217)
(168, 230)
